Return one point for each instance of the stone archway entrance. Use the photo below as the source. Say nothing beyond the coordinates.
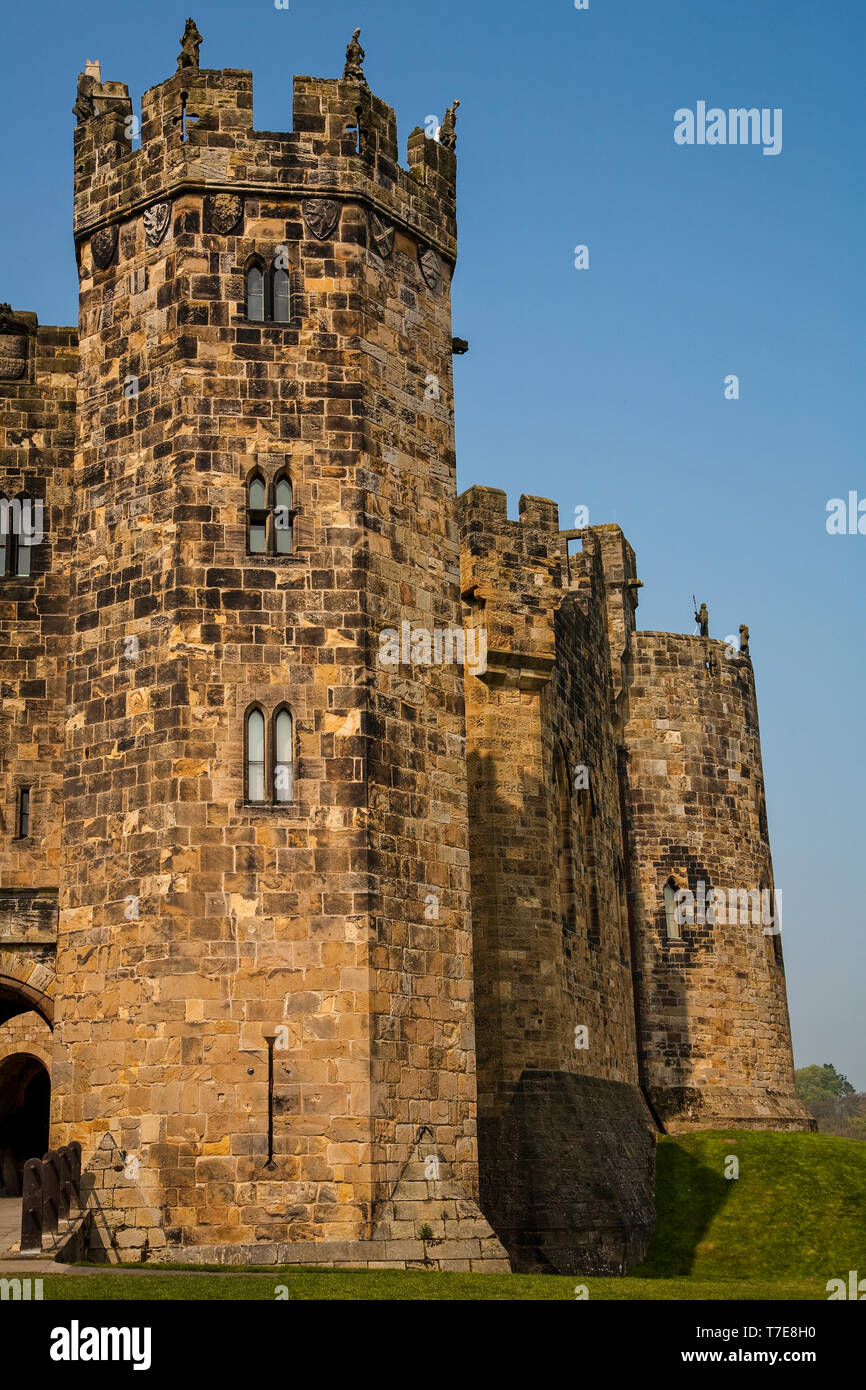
(26, 982)
(26, 1018)
(27, 985)
(25, 1094)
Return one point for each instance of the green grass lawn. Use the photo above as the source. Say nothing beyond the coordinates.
(410, 1285)
(797, 1209)
(794, 1218)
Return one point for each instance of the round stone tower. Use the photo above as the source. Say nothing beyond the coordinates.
(713, 1033)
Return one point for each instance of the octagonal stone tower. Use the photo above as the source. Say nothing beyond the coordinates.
(197, 921)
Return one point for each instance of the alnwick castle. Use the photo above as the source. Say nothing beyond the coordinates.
(321, 950)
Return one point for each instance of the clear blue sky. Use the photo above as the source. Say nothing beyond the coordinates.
(605, 387)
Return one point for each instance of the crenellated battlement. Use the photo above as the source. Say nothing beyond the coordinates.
(672, 648)
(511, 580)
(528, 567)
(196, 132)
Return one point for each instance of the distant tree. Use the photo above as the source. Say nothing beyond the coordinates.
(831, 1098)
(815, 1084)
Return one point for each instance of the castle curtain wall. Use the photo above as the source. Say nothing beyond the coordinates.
(559, 1104)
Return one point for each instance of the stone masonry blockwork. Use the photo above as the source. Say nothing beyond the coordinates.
(356, 1026)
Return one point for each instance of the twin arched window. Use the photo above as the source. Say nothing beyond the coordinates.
(269, 756)
(16, 536)
(268, 292)
(270, 516)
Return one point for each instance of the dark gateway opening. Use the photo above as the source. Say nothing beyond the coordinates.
(25, 1093)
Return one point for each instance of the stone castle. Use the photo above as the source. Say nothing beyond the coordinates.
(345, 822)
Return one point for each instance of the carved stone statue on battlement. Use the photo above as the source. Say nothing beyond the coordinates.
(189, 46)
(354, 69)
(85, 107)
(448, 129)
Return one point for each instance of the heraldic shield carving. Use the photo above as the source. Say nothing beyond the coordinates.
(431, 268)
(223, 212)
(103, 245)
(320, 215)
(383, 235)
(155, 222)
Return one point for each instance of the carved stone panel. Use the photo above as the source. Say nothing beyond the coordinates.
(106, 308)
(128, 241)
(13, 356)
(431, 268)
(223, 212)
(103, 244)
(156, 221)
(383, 235)
(320, 215)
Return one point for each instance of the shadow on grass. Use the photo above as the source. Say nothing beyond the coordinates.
(689, 1195)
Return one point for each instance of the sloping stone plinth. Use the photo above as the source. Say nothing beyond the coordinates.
(568, 1171)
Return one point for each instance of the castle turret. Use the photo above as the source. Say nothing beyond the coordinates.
(715, 1041)
(264, 951)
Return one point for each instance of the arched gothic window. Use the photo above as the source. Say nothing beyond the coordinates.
(269, 756)
(281, 295)
(17, 532)
(284, 516)
(672, 926)
(283, 755)
(268, 292)
(270, 516)
(257, 515)
(255, 756)
(21, 552)
(256, 293)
